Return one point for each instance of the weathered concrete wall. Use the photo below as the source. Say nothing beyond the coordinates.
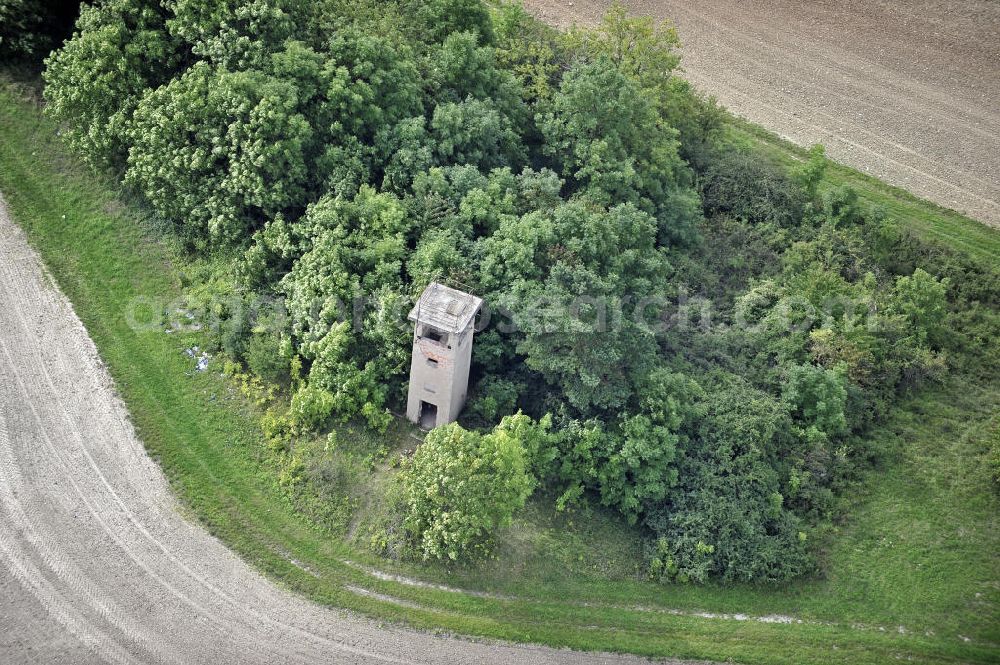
(443, 383)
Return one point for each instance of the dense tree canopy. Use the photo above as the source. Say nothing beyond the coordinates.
(606, 138)
(694, 335)
(220, 150)
(560, 272)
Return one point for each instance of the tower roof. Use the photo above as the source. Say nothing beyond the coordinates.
(445, 308)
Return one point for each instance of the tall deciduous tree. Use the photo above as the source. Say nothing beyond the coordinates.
(120, 50)
(572, 277)
(220, 151)
(344, 299)
(605, 137)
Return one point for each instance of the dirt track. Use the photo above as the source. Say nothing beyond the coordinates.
(905, 91)
(96, 563)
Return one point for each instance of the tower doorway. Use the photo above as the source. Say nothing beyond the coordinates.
(428, 415)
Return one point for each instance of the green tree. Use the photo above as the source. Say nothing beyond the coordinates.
(571, 278)
(646, 51)
(436, 20)
(438, 256)
(355, 249)
(369, 82)
(641, 466)
(923, 300)
(460, 69)
(817, 398)
(529, 49)
(218, 152)
(643, 49)
(93, 84)
(604, 135)
(474, 132)
(726, 515)
(403, 150)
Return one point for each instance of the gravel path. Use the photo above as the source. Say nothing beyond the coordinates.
(908, 91)
(96, 563)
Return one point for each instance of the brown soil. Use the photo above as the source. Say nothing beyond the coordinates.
(904, 91)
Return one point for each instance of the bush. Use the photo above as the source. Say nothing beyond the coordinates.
(922, 299)
(748, 187)
(726, 516)
(494, 397)
(311, 407)
(571, 467)
(268, 356)
(679, 563)
(460, 487)
(817, 398)
(440, 18)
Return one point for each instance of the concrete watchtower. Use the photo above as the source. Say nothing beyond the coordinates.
(442, 354)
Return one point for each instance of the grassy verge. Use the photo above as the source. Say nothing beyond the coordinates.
(928, 219)
(918, 552)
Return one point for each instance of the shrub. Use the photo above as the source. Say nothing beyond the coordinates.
(571, 467)
(640, 468)
(277, 430)
(922, 299)
(460, 487)
(679, 563)
(268, 356)
(641, 464)
(817, 398)
(494, 397)
(440, 18)
(726, 516)
(747, 186)
(311, 407)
